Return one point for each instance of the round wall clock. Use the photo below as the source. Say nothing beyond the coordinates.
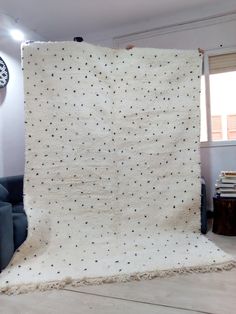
(4, 74)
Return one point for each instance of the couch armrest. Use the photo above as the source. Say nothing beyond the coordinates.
(14, 185)
(6, 234)
(203, 208)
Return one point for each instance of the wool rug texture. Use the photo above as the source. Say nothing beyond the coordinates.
(112, 175)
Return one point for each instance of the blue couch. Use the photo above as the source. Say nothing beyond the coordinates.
(13, 220)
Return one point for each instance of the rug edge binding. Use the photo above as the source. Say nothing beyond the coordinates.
(68, 281)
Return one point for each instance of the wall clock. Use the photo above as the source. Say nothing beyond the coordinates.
(4, 74)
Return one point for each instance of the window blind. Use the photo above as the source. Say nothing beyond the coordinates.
(222, 63)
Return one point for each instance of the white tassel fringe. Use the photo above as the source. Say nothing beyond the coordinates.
(26, 288)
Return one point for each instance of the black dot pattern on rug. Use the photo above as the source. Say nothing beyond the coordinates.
(112, 161)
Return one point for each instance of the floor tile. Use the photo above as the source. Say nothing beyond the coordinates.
(63, 302)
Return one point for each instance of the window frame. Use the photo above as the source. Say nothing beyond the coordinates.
(207, 54)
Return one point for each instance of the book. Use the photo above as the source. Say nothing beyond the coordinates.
(226, 184)
(225, 190)
(219, 184)
(233, 195)
(228, 173)
(228, 180)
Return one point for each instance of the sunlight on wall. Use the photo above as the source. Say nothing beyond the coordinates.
(223, 105)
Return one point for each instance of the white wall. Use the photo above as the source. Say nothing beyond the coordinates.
(208, 34)
(12, 119)
(12, 101)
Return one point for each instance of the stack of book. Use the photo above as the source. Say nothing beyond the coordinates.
(226, 184)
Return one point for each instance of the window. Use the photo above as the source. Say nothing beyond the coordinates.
(216, 128)
(231, 127)
(222, 98)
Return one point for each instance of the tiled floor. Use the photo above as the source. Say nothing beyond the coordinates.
(212, 293)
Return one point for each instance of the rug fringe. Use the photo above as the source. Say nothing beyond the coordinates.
(26, 288)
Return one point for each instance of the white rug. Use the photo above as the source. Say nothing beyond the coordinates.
(112, 176)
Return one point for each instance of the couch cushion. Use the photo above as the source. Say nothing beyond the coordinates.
(6, 234)
(20, 225)
(14, 186)
(18, 208)
(3, 194)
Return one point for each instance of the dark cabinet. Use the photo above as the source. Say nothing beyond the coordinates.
(224, 216)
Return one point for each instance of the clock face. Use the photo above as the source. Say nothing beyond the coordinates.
(4, 74)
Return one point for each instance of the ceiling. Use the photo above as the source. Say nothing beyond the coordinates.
(64, 19)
